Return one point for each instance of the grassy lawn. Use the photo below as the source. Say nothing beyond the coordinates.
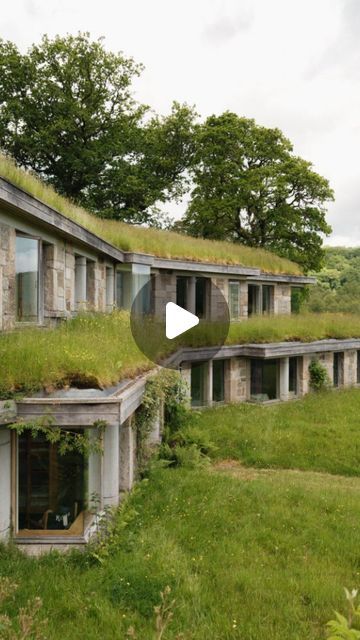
(134, 238)
(99, 350)
(246, 558)
(319, 432)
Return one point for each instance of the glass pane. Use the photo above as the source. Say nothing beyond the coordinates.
(264, 375)
(293, 375)
(338, 369)
(141, 284)
(51, 486)
(234, 307)
(218, 380)
(198, 373)
(358, 368)
(124, 289)
(27, 277)
(181, 291)
(200, 303)
(267, 298)
(253, 299)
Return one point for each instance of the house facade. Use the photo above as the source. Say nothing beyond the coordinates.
(51, 268)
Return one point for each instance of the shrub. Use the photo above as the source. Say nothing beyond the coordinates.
(319, 378)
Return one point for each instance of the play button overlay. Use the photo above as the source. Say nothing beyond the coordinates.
(178, 320)
(182, 312)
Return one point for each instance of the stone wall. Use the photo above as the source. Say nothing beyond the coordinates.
(164, 291)
(236, 380)
(282, 299)
(7, 277)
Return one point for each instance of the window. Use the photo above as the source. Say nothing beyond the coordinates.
(253, 299)
(218, 390)
(338, 369)
(267, 298)
(198, 382)
(134, 284)
(293, 383)
(123, 289)
(52, 487)
(234, 304)
(200, 297)
(264, 380)
(27, 279)
(358, 368)
(80, 281)
(181, 291)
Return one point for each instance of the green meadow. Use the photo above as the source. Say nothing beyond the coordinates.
(258, 544)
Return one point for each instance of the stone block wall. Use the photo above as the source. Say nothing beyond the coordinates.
(7, 277)
(236, 380)
(282, 299)
(350, 368)
(164, 291)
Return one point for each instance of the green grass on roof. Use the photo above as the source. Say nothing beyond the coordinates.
(164, 244)
(33, 359)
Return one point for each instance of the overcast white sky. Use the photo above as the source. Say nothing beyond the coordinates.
(293, 64)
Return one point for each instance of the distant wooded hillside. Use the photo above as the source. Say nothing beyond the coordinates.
(338, 287)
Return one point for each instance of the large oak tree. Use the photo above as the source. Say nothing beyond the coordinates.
(67, 112)
(249, 187)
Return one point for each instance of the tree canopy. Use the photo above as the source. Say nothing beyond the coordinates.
(67, 112)
(249, 187)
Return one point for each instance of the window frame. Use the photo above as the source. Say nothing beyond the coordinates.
(39, 282)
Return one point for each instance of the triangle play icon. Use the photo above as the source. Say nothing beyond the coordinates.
(178, 320)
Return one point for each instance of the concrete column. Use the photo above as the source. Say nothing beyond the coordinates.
(111, 465)
(5, 483)
(109, 288)
(95, 464)
(209, 384)
(284, 379)
(80, 282)
(127, 456)
(191, 294)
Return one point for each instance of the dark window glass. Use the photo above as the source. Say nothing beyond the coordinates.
(200, 300)
(293, 375)
(218, 380)
(198, 380)
(51, 486)
(253, 299)
(338, 369)
(27, 279)
(358, 368)
(181, 291)
(267, 298)
(264, 374)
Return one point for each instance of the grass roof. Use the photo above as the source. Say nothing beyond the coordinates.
(164, 244)
(33, 358)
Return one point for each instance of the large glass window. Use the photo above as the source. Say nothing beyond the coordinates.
(52, 487)
(264, 380)
(293, 377)
(27, 279)
(253, 299)
(198, 383)
(267, 298)
(218, 390)
(200, 300)
(234, 302)
(181, 291)
(338, 369)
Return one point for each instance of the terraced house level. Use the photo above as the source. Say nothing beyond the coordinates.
(56, 263)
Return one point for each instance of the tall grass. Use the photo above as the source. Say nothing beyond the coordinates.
(317, 433)
(128, 237)
(98, 350)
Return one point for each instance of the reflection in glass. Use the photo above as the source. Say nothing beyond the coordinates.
(218, 381)
(264, 374)
(198, 380)
(27, 279)
(51, 486)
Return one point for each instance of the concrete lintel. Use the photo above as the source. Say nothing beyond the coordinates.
(283, 278)
(204, 267)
